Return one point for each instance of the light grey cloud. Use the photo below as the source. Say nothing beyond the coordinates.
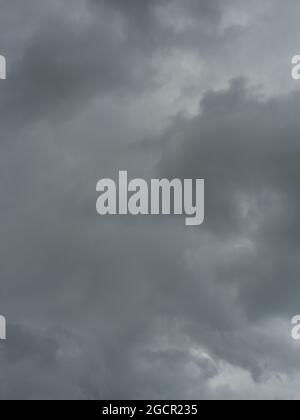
(135, 307)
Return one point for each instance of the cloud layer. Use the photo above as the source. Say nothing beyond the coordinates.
(145, 307)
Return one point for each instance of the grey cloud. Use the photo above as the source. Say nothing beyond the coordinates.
(247, 150)
(66, 64)
(134, 307)
(67, 59)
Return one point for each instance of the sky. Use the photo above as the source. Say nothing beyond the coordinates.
(146, 307)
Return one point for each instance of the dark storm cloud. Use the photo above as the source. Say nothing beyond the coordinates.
(166, 25)
(248, 152)
(66, 63)
(143, 308)
(105, 47)
(148, 12)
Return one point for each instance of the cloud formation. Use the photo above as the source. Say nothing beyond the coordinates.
(145, 307)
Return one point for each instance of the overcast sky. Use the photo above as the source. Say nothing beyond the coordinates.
(129, 308)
